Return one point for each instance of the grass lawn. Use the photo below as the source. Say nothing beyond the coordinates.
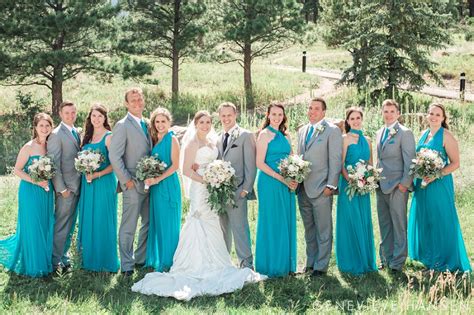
(379, 292)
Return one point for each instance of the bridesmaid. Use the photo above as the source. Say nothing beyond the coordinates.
(434, 233)
(29, 251)
(165, 195)
(355, 251)
(97, 234)
(275, 253)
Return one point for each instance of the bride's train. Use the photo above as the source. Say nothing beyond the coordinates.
(201, 264)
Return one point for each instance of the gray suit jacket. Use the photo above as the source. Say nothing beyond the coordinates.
(240, 152)
(324, 151)
(64, 147)
(395, 157)
(127, 146)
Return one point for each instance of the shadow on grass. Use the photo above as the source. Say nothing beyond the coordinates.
(112, 293)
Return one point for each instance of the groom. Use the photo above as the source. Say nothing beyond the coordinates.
(320, 143)
(237, 145)
(395, 151)
(130, 142)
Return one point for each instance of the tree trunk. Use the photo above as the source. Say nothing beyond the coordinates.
(175, 66)
(315, 11)
(471, 8)
(248, 75)
(56, 93)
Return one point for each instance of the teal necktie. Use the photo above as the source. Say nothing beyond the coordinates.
(385, 136)
(309, 135)
(76, 135)
(144, 127)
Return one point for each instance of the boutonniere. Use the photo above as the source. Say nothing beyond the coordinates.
(79, 130)
(392, 131)
(319, 129)
(235, 134)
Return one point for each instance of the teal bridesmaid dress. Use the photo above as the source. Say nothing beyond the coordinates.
(434, 233)
(97, 210)
(275, 252)
(29, 252)
(165, 213)
(355, 250)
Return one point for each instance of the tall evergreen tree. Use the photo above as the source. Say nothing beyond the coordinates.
(390, 40)
(48, 42)
(257, 28)
(166, 30)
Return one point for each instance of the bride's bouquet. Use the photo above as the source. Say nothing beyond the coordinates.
(150, 167)
(428, 163)
(219, 178)
(294, 168)
(88, 161)
(42, 169)
(363, 179)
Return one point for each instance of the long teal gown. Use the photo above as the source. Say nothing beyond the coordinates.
(434, 233)
(275, 252)
(165, 213)
(97, 210)
(30, 251)
(355, 250)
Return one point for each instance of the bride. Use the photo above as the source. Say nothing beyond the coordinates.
(201, 263)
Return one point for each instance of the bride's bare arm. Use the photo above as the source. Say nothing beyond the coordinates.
(189, 156)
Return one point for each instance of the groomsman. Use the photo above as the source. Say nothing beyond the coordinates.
(320, 143)
(237, 145)
(63, 144)
(395, 151)
(130, 142)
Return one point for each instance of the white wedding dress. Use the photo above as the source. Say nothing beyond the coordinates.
(201, 263)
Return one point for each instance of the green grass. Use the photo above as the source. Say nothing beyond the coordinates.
(380, 292)
(205, 81)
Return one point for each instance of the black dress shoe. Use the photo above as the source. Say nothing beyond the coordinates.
(128, 273)
(308, 269)
(139, 266)
(67, 269)
(318, 273)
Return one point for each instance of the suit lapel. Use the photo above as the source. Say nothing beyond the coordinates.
(316, 135)
(389, 137)
(230, 141)
(138, 127)
(70, 136)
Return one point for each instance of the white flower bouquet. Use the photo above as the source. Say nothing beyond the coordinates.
(363, 179)
(42, 169)
(88, 161)
(428, 163)
(294, 168)
(150, 167)
(219, 177)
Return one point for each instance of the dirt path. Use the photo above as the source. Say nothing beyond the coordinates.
(329, 75)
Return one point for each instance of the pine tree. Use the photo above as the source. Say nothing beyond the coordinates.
(167, 31)
(48, 42)
(390, 41)
(257, 28)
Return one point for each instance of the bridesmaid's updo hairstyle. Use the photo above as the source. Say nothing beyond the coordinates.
(444, 124)
(200, 114)
(160, 111)
(283, 125)
(349, 112)
(39, 117)
(89, 128)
